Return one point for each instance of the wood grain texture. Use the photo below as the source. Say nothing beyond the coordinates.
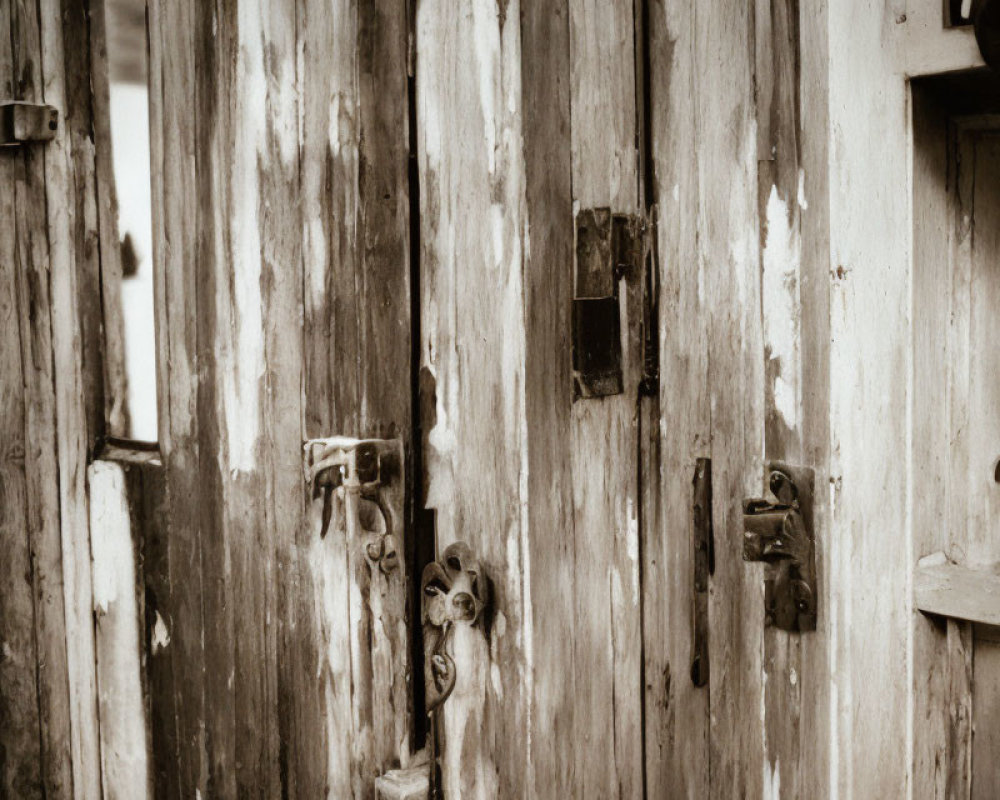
(676, 712)
(69, 203)
(472, 178)
(282, 198)
(870, 366)
(951, 590)
(985, 712)
(557, 714)
(603, 444)
(32, 453)
(119, 645)
(729, 254)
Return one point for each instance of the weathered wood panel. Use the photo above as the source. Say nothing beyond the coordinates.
(173, 147)
(472, 178)
(603, 445)
(867, 569)
(119, 643)
(357, 372)
(729, 254)
(43, 704)
(281, 199)
(676, 712)
(985, 714)
(69, 181)
(557, 715)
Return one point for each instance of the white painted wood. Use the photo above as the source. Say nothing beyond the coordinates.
(953, 590)
(124, 768)
(927, 46)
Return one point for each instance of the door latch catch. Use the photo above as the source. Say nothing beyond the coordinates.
(779, 532)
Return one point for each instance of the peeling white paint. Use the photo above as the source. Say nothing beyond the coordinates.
(801, 198)
(780, 301)
(772, 781)
(161, 636)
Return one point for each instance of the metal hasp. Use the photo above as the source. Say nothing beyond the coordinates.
(704, 567)
(454, 592)
(368, 474)
(609, 248)
(21, 123)
(986, 22)
(780, 533)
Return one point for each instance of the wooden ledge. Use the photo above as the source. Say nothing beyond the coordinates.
(952, 590)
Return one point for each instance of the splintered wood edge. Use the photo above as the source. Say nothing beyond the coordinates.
(951, 590)
(403, 784)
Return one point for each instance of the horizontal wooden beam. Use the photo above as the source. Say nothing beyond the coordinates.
(951, 590)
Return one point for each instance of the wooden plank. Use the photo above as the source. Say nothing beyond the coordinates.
(812, 197)
(604, 446)
(548, 287)
(66, 184)
(729, 252)
(35, 310)
(173, 145)
(112, 342)
(20, 725)
(676, 712)
(935, 737)
(870, 371)
(472, 176)
(928, 47)
(778, 81)
(986, 717)
(952, 590)
(124, 746)
(356, 251)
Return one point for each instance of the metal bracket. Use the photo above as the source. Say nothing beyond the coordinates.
(609, 248)
(21, 123)
(361, 469)
(704, 567)
(780, 533)
(454, 591)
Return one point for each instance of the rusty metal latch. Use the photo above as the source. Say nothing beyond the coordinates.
(21, 123)
(454, 592)
(779, 532)
(361, 470)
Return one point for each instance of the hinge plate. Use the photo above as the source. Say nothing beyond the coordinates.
(21, 123)
(610, 247)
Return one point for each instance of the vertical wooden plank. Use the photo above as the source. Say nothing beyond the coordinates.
(30, 264)
(604, 446)
(812, 197)
(986, 715)
(174, 153)
(357, 378)
(20, 752)
(150, 512)
(558, 719)
(676, 712)
(983, 440)
(124, 746)
(729, 253)
(869, 388)
(473, 360)
(112, 322)
(66, 182)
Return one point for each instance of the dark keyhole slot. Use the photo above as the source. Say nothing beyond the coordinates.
(996, 471)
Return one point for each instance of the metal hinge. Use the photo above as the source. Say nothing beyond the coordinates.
(21, 123)
(610, 248)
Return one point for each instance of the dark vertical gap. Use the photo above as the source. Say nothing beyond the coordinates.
(647, 396)
(421, 545)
